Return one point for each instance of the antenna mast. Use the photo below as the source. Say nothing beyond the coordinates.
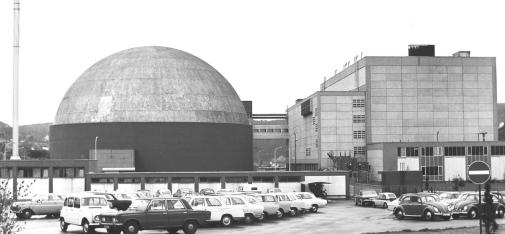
(15, 92)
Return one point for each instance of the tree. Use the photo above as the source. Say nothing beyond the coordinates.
(8, 222)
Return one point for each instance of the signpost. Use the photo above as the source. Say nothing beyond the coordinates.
(479, 173)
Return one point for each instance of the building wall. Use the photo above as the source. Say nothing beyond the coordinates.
(413, 98)
(267, 137)
(161, 146)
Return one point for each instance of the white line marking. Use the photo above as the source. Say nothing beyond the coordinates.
(482, 172)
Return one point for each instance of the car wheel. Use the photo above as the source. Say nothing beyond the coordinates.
(473, 214)
(314, 208)
(20, 216)
(399, 214)
(27, 214)
(248, 218)
(86, 228)
(131, 228)
(501, 212)
(226, 220)
(428, 215)
(294, 212)
(385, 205)
(63, 225)
(190, 227)
(279, 214)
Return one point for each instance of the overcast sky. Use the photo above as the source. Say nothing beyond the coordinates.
(272, 52)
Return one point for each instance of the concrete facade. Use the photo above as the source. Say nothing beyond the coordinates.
(383, 99)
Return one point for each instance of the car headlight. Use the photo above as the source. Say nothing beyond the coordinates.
(104, 219)
(96, 218)
(436, 209)
(465, 208)
(115, 220)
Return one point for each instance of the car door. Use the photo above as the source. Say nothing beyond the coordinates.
(406, 204)
(177, 213)
(156, 215)
(416, 205)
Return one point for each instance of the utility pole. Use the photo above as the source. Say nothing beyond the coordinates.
(15, 83)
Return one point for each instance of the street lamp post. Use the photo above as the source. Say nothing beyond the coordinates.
(275, 156)
(96, 139)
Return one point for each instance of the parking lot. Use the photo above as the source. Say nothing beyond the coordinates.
(337, 217)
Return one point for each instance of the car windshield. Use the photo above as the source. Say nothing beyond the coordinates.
(140, 204)
(93, 201)
(252, 200)
(305, 196)
(268, 198)
(391, 196)
(428, 199)
(369, 193)
(212, 202)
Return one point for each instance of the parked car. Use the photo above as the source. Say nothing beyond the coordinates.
(183, 192)
(365, 197)
(207, 191)
(171, 214)
(298, 205)
(39, 204)
(114, 201)
(225, 215)
(269, 203)
(284, 204)
(83, 210)
(316, 202)
(251, 211)
(468, 205)
(394, 203)
(383, 199)
(449, 197)
(426, 206)
(225, 191)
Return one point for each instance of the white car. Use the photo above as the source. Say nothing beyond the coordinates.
(251, 211)
(315, 202)
(219, 212)
(298, 205)
(383, 199)
(393, 204)
(83, 210)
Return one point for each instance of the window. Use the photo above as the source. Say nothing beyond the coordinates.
(128, 180)
(68, 172)
(412, 151)
(439, 151)
(477, 150)
(236, 179)
(212, 202)
(5, 172)
(306, 108)
(263, 179)
(358, 103)
(153, 180)
(263, 130)
(454, 151)
(358, 118)
(197, 202)
(498, 150)
(432, 170)
(176, 204)
(157, 205)
(270, 130)
(237, 201)
(256, 130)
(427, 151)
(307, 152)
(210, 179)
(285, 130)
(277, 130)
(77, 203)
(359, 150)
(358, 134)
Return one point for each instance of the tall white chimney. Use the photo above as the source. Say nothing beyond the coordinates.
(15, 91)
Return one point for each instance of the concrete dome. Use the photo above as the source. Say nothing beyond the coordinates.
(151, 84)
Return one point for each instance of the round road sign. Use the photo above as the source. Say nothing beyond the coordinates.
(479, 172)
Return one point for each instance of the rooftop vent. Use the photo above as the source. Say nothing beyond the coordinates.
(461, 54)
(422, 50)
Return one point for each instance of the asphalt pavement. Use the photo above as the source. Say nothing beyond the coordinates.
(337, 217)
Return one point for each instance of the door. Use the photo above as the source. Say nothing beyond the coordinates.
(176, 213)
(406, 204)
(417, 205)
(156, 215)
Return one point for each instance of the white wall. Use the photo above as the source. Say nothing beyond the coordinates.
(102, 187)
(408, 164)
(176, 186)
(128, 187)
(498, 167)
(336, 186)
(68, 185)
(155, 187)
(455, 167)
(290, 186)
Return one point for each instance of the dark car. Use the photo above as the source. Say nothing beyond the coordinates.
(171, 214)
(426, 206)
(115, 203)
(468, 205)
(365, 197)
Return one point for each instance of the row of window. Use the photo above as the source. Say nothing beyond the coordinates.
(277, 130)
(359, 150)
(358, 134)
(37, 172)
(358, 103)
(498, 150)
(191, 180)
(443, 151)
(358, 118)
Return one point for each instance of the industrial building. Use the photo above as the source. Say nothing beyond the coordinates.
(153, 109)
(420, 100)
